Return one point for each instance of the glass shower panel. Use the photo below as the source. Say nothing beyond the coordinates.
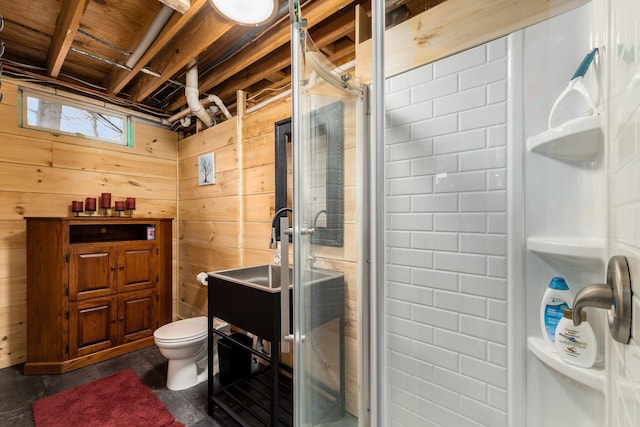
(327, 261)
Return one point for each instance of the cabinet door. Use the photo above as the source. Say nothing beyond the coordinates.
(136, 315)
(137, 266)
(92, 271)
(92, 326)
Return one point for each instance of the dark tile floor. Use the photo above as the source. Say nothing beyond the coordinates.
(18, 392)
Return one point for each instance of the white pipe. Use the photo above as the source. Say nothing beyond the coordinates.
(191, 92)
(179, 115)
(154, 29)
(205, 102)
(218, 102)
(269, 101)
(185, 121)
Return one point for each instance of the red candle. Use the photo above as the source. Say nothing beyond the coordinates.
(90, 203)
(76, 206)
(119, 206)
(105, 201)
(131, 203)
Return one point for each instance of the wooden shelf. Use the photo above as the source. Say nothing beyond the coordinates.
(590, 377)
(577, 140)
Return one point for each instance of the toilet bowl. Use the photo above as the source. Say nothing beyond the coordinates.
(184, 344)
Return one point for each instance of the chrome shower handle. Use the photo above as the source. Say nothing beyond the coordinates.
(615, 296)
(598, 295)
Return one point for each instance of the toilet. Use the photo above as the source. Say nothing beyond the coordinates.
(184, 344)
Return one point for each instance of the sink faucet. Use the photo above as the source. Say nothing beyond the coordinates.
(279, 212)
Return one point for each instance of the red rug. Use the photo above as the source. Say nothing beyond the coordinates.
(121, 399)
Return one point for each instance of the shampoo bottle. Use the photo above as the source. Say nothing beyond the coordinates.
(576, 345)
(555, 297)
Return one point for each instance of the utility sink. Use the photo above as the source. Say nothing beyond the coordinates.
(267, 277)
(249, 297)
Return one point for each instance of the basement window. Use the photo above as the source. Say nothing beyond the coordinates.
(59, 115)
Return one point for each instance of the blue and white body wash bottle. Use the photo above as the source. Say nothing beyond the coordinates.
(555, 298)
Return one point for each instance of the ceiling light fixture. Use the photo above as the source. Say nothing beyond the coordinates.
(246, 12)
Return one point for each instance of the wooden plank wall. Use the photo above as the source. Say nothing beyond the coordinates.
(228, 224)
(41, 173)
(448, 28)
(209, 215)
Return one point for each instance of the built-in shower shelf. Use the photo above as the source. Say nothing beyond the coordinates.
(589, 377)
(580, 250)
(578, 140)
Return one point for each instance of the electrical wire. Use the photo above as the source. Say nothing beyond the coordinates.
(27, 76)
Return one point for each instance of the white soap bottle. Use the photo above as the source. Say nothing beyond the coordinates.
(576, 345)
(555, 297)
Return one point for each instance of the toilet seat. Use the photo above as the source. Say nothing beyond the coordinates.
(186, 330)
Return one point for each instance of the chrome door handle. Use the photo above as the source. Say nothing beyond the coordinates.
(615, 296)
(285, 327)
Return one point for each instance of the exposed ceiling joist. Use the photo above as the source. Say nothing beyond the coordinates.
(119, 78)
(180, 5)
(276, 61)
(247, 71)
(66, 29)
(313, 13)
(105, 34)
(205, 29)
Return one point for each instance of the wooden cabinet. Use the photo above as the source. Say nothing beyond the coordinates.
(96, 288)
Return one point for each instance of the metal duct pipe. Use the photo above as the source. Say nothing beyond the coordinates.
(156, 26)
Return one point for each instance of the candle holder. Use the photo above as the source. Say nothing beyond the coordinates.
(131, 205)
(90, 205)
(119, 207)
(76, 206)
(105, 202)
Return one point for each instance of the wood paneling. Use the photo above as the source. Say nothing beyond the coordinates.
(13, 291)
(98, 160)
(451, 27)
(29, 151)
(209, 140)
(207, 232)
(208, 229)
(210, 209)
(13, 335)
(41, 173)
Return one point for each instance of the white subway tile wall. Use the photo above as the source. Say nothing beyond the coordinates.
(446, 241)
(623, 361)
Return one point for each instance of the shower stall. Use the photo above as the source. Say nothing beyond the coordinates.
(461, 199)
(487, 198)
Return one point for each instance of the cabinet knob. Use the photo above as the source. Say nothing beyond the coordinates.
(113, 268)
(122, 267)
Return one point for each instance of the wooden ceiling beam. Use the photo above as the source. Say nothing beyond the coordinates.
(342, 48)
(207, 27)
(275, 77)
(314, 13)
(324, 34)
(119, 78)
(180, 5)
(276, 61)
(66, 28)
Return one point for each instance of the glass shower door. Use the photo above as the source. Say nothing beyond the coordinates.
(326, 252)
